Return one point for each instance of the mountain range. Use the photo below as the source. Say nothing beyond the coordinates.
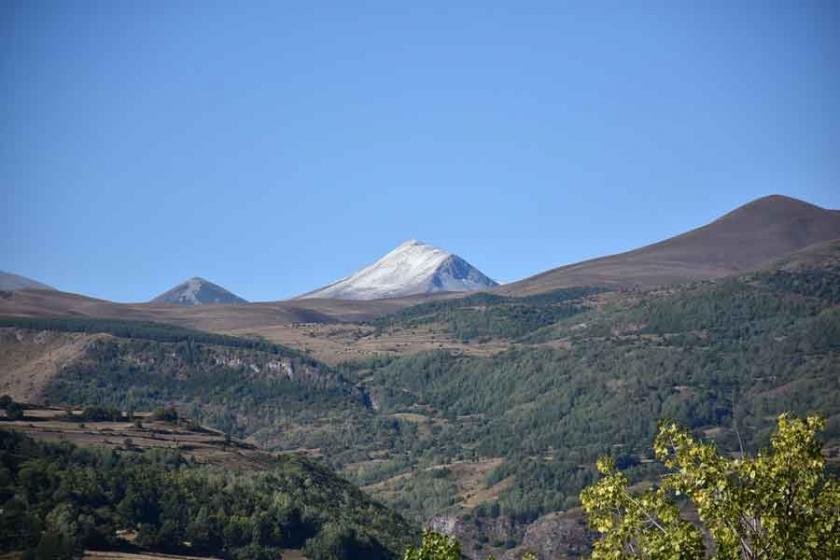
(746, 238)
(479, 413)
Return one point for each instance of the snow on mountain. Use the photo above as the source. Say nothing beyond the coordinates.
(412, 268)
(197, 291)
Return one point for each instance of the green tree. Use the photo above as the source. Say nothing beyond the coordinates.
(14, 411)
(435, 546)
(168, 414)
(778, 504)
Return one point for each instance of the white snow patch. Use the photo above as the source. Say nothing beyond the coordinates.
(409, 269)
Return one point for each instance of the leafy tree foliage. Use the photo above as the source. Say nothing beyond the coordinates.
(778, 504)
(435, 546)
(168, 414)
(14, 410)
(99, 414)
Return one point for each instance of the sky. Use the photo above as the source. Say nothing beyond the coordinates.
(275, 147)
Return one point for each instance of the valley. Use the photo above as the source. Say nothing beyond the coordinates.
(477, 414)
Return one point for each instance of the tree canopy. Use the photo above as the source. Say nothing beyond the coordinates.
(780, 503)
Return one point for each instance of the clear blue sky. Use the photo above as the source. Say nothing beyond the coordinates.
(274, 147)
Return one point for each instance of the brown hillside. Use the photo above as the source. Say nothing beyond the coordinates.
(818, 256)
(215, 318)
(30, 359)
(756, 233)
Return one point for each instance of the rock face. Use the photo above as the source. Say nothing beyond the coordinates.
(11, 282)
(412, 268)
(561, 535)
(197, 291)
(480, 537)
(556, 536)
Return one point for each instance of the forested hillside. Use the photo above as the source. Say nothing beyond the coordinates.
(238, 385)
(59, 500)
(489, 444)
(721, 357)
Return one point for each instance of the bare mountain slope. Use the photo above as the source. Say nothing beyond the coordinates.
(11, 282)
(29, 359)
(216, 318)
(756, 233)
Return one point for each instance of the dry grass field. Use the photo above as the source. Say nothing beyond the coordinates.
(329, 330)
(214, 318)
(334, 343)
(200, 444)
(28, 360)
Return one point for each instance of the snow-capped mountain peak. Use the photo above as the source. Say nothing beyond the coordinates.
(412, 268)
(197, 291)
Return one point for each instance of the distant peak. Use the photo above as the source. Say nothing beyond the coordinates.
(779, 201)
(197, 291)
(775, 207)
(413, 267)
(776, 198)
(417, 244)
(12, 282)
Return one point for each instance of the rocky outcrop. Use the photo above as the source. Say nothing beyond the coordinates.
(556, 536)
